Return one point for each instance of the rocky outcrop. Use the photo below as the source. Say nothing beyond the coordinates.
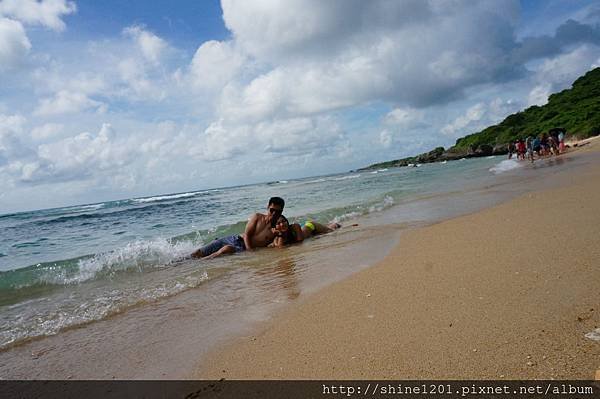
(484, 150)
(440, 154)
(453, 154)
(431, 156)
(500, 149)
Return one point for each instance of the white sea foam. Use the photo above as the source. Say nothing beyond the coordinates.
(29, 323)
(347, 177)
(82, 208)
(164, 197)
(314, 181)
(137, 254)
(382, 170)
(505, 166)
(386, 203)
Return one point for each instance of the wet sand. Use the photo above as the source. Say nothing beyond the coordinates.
(505, 293)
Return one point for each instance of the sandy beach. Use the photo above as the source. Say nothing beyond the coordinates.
(506, 293)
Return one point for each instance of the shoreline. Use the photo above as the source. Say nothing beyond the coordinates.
(513, 303)
(182, 332)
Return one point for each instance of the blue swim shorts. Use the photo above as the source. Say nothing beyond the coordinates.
(236, 241)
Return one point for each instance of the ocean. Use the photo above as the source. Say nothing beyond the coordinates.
(79, 267)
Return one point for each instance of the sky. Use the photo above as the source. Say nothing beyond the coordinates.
(119, 99)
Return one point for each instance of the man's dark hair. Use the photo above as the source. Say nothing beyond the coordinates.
(277, 201)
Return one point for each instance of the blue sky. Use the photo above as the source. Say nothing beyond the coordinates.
(116, 99)
(186, 23)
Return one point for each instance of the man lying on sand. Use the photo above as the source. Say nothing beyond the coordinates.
(258, 233)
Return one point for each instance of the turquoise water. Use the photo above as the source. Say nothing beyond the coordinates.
(71, 266)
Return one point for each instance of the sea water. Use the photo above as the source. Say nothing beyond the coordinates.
(79, 265)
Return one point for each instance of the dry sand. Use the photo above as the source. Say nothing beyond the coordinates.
(508, 292)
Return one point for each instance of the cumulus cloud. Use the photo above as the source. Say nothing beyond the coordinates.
(559, 72)
(319, 57)
(406, 118)
(46, 131)
(411, 53)
(386, 138)
(11, 139)
(151, 46)
(479, 116)
(65, 102)
(138, 83)
(47, 13)
(215, 64)
(75, 158)
(316, 57)
(569, 33)
(292, 137)
(275, 30)
(14, 44)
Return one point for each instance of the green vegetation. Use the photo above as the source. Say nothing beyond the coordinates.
(576, 109)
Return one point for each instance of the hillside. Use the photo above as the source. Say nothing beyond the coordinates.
(576, 109)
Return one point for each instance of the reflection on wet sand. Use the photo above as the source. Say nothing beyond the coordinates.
(281, 277)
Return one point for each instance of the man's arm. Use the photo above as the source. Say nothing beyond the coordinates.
(249, 232)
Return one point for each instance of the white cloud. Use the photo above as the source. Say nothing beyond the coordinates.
(214, 64)
(139, 85)
(78, 157)
(539, 94)
(405, 118)
(276, 30)
(11, 135)
(14, 44)
(559, 72)
(46, 131)
(480, 116)
(47, 13)
(386, 138)
(287, 137)
(328, 55)
(151, 46)
(65, 102)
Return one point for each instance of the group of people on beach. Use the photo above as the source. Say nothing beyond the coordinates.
(552, 143)
(265, 230)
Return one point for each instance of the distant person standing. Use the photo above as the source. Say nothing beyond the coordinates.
(561, 142)
(553, 145)
(529, 146)
(536, 145)
(545, 149)
(520, 149)
(511, 149)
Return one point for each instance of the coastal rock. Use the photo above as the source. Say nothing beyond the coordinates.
(500, 149)
(453, 154)
(483, 150)
(430, 156)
